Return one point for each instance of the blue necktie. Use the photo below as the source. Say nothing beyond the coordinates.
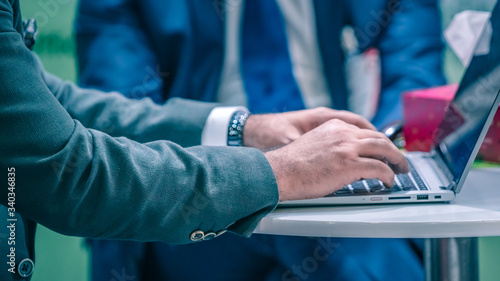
(266, 67)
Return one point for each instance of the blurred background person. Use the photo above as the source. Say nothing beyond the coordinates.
(79, 178)
(270, 56)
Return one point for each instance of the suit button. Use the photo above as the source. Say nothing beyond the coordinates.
(26, 268)
(209, 236)
(197, 236)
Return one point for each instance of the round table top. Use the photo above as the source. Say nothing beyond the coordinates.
(474, 213)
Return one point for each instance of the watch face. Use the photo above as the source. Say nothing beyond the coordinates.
(236, 127)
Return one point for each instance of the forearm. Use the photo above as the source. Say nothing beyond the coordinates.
(178, 120)
(90, 184)
(98, 186)
(84, 182)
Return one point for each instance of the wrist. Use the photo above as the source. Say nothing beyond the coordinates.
(249, 131)
(256, 132)
(279, 169)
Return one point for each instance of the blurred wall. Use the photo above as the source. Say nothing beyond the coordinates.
(452, 67)
(62, 258)
(55, 43)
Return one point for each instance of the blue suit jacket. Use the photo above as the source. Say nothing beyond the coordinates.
(174, 48)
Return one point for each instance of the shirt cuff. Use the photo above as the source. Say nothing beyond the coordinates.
(215, 129)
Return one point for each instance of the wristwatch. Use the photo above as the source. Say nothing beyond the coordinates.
(236, 127)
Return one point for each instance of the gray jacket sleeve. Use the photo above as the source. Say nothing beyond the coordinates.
(178, 120)
(80, 181)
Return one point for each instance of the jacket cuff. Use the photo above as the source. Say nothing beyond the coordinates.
(264, 199)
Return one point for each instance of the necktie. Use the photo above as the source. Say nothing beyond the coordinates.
(266, 67)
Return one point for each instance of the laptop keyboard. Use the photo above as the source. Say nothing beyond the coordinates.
(402, 182)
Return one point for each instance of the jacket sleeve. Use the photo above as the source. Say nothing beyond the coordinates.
(114, 51)
(408, 36)
(178, 120)
(80, 181)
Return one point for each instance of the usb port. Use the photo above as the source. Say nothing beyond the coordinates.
(422, 197)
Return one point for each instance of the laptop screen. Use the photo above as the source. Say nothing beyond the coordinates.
(465, 120)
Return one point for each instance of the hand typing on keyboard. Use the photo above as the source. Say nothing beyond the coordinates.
(406, 182)
(332, 156)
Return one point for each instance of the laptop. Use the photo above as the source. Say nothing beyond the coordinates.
(438, 175)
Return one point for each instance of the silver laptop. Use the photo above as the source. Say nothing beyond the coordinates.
(439, 175)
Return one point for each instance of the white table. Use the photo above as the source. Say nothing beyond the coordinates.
(451, 251)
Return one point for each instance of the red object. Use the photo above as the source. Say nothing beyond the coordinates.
(423, 112)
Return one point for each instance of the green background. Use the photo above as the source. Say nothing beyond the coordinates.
(62, 258)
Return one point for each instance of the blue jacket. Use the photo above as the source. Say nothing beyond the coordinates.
(172, 48)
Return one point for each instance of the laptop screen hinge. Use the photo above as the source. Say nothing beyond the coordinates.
(438, 159)
(451, 186)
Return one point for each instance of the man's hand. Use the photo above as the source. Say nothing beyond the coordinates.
(274, 130)
(331, 156)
